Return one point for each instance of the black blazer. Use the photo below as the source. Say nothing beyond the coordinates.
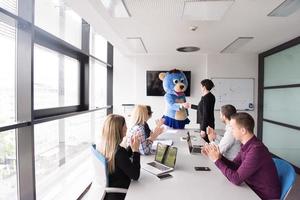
(205, 111)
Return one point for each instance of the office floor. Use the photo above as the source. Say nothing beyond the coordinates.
(295, 192)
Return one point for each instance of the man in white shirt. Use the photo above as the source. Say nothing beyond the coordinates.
(228, 146)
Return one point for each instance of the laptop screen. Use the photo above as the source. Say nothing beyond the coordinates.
(160, 152)
(171, 157)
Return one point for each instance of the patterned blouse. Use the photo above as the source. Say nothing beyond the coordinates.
(144, 132)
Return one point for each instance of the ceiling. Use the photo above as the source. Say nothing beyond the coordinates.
(160, 25)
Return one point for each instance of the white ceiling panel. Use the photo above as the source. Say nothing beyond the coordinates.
(205, 10)
(161, 26)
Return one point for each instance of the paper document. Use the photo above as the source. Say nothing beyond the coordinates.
(167, 142)
(170, 131)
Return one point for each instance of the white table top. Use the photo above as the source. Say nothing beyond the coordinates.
(187, 183)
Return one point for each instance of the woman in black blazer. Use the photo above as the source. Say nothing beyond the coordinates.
(205, 108)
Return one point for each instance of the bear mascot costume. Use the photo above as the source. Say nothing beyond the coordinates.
(175, 83)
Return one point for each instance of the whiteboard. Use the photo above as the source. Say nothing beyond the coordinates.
(238, 92)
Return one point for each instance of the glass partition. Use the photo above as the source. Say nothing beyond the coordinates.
(282, 68)
(283, 142)
(282, 105)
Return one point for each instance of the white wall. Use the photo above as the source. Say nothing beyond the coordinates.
(124, 88)
(130, 75)
(234, 66)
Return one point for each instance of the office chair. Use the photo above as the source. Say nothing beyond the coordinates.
(287, 176)
(99, 186)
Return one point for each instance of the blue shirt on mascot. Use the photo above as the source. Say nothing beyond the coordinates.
(175, 83)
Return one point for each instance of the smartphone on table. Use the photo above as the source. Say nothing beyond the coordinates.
(202, 168)
(164, 176)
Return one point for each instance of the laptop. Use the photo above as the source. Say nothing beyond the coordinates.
(165, 159)
(193, 148)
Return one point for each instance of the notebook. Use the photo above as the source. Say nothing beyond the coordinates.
(165, 159)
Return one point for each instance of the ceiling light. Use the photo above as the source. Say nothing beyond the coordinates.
(236, 44)
(116, 8)
(137, 44)
(285, 9)
(205, 10)
(188, 49)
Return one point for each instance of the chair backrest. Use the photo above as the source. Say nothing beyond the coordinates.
(100, 168)
(287, 176)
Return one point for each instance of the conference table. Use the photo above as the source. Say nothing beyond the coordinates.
(187, 183)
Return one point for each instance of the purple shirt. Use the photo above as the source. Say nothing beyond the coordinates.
(253, 165)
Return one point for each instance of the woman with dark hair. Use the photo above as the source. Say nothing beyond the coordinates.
(205, 108)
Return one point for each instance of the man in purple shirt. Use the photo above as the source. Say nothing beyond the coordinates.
(253, 164)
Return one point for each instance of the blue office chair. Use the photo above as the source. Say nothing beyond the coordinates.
(99, 186)
(287, 176)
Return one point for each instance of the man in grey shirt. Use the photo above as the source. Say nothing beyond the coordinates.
(229, 147)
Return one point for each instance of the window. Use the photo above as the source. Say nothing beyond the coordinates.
(98, 46)
(56, 147)
(7, 72)
(10, 5)
(62, 152)
(55, 17)
(97, 118)
(98, 84)
(8, 178)
(279, 95)
(56, 79)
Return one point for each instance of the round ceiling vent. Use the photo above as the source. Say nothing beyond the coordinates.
(188, 49)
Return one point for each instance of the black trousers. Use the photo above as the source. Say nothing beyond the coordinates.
(114, 196)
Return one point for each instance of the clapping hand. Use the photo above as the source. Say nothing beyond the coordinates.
(135, 142)
(213, 152)
(204, 149)
(211, 133)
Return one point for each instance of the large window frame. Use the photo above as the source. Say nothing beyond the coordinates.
(261, 88)
(26, 117)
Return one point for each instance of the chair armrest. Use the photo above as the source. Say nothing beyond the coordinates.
(115, 190)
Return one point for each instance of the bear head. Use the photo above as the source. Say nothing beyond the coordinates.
(174, 82)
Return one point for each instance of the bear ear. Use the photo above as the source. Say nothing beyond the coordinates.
(162, 75)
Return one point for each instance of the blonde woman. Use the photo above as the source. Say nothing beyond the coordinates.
(123, 164)
(140, 115)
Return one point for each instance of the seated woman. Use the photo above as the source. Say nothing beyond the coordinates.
(140, 115)
(123, 164)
